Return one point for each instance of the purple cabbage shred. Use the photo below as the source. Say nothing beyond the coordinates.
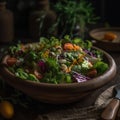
(79, 77)
(42, 66)
(89, 53)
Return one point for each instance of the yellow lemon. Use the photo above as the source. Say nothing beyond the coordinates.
(6, 109)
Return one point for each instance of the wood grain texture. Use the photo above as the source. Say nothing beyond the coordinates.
(111, 110)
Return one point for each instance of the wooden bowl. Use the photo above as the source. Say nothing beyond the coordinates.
(59, 93)
(109, 45)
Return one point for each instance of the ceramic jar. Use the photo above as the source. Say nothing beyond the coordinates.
(41, 20)
(6, 24)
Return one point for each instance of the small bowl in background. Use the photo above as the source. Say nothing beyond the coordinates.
(98, 36)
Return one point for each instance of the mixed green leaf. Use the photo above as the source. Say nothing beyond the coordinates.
(56, 61)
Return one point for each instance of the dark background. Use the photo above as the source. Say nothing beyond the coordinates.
(107, 10)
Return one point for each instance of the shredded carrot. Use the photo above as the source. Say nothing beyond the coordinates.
(70, 46)
(45, 55)
(76, 47)
(70, 67)
(80, 58)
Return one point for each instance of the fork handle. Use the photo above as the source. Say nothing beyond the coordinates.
(110, 111)
(118, 114)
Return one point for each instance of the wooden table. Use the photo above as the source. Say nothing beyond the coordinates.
(36, 108)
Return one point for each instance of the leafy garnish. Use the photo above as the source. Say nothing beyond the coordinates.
(101, 67)
(24, 75)
(53, 60)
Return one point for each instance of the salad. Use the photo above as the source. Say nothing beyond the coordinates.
(56, 60)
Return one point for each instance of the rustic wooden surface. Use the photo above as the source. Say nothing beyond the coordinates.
(37, 109)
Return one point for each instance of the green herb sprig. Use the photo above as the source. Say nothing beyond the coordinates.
(71, 13)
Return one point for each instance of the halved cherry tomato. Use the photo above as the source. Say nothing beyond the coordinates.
(92, 73)
(11, 61)
(38, 75)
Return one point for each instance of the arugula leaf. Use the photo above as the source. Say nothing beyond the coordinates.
(32, 77)
(14, 49)
(52, 64)
(84, 44)
(25, 76)
(21, 74)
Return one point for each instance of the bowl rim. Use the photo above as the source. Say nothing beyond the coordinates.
(91, 32)
(90, 84)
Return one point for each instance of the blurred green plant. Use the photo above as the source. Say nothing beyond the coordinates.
(73, 13)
